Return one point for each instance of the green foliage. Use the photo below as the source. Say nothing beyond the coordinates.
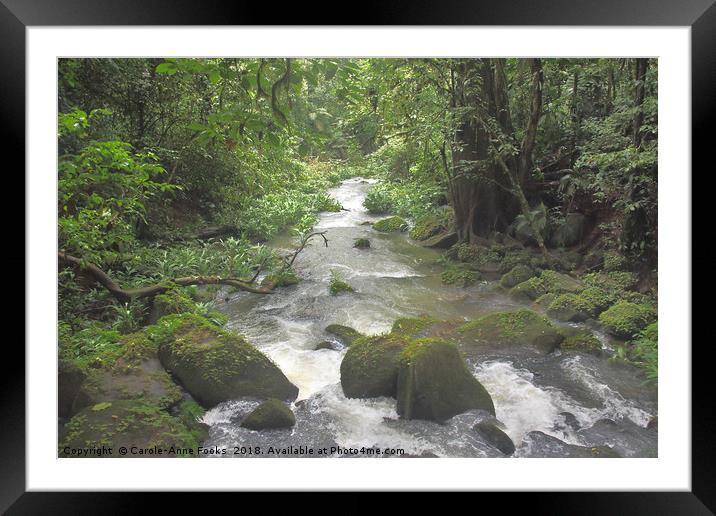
(391, 224)
(625, 319)
(459, 276)
(338, 285)
(645, 351)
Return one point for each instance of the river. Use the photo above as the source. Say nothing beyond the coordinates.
(579, 399)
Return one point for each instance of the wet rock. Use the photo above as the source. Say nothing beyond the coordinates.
(571, 308)
(125, 423)
(413, 326)
(345, 334)
(512, 328)
(543, 445)
(441, 240)
(361, 243)
(370, 369)
(653, 423)
(578, 340)
(516, 275)
(495, 436)
(270, 414)
(570, 420)
(215, 365)
(326, 344)
(435, 384)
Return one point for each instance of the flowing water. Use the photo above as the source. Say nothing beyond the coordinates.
(579, 399)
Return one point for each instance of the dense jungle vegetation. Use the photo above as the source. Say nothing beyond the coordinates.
(174, 173)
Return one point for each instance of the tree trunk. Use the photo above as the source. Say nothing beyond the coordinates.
(639, 91)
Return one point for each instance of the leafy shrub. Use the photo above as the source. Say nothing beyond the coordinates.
(625, 319)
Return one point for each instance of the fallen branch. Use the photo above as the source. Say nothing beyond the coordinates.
(126, 295)
(302, 246)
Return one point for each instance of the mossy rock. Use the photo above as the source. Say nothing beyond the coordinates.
(513, 258)
(529, 290)
(431, 225)
(337, 285)
(568, 232)
(626, 320)
(512, 328)
(434, 382)
(172, 301)
(136, 375)
(581, 341)
(559, 283)
(614, 282)
(390, 225)
(345, 334)
(190, 413)
(412, 326)
(544, 301)
(599, 298)
(482, 258)
(282, 278)
(517, 275)
(215, 365)
(459, 276)
(369, 368)
(361, 243)
(270, 414)
(495, 437)
(125, 423)
(571, 308)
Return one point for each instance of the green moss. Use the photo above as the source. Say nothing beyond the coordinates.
(560, 283)
(282, 278)
(270, 414)
(513, 258)
(434, 382)
(338, 285)
(480, 257)
(599, 298)
(345, 334)
(544, 301)
(614, 261)
(361, 243)
(369, 368)
(92, 347)
(625, 319)
(412, 326)
(582, 341)
(571, 308)
(430, 225)
(531, 289)
(190, 413)
(125, 423)
(517, 275)
(215, 365)
(517, 327)
(459, 276)
(614, 283)
(391, 224)
(173, 301)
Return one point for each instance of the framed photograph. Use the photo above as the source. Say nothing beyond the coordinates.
(454, 243)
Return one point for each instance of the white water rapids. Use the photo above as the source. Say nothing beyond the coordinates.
(396, 278)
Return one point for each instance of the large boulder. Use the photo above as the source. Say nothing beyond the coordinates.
(625, 319)
(430, 225)
(512, 328)
(69, 380)
(137, 374)
(345, 334)
(126, 423)
(215, 365)
(369, 368)
(412, 326)
(443, 240)
(270, 414)
(549, 281)
(434, 382)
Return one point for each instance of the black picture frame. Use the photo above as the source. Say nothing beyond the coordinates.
(17, 15)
